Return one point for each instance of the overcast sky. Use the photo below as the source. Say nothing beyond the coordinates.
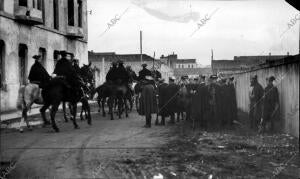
(235, 28)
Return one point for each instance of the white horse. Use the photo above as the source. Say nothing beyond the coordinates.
(27, 96)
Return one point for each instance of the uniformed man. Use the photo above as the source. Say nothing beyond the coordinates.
(270, 105)
(121, 73)
(232, 100)
(213, 103)
(38, 73)
(65, 69)
(256, 95)
(171, 97)
(75, 64)
(111, 76)
(131, 74)
(148, 104)
(144, 72)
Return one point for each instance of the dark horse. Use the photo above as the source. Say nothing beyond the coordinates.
(103, 91)
(118, 93)
(87, 75)
(58, 91)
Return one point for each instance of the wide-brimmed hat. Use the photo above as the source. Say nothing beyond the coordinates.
(36, 56)
(63, 52)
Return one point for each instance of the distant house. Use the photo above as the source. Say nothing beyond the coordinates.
(184, 67)
(241, 63)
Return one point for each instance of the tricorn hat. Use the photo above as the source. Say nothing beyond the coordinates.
(271, 78)
(36, 56)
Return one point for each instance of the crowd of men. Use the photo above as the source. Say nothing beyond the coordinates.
(209, 102)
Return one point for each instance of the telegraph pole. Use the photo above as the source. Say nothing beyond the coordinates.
(141, 46)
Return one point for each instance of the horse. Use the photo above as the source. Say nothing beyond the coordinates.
(87, 76)
(27, 96)
(118, 92)
(58, 91)
(103, 91)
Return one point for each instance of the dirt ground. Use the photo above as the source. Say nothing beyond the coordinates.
(124, 149)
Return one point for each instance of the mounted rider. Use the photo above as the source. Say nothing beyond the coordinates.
(144, 72)
(38, 74)
(121, 74)
(111, 76)
(65, 69)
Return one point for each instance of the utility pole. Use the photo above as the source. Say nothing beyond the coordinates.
(141, 46)
(153, 60)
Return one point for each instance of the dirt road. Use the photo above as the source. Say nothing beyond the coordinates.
(124, 149)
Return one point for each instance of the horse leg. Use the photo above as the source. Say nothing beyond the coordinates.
(163, 120)
(52, 114)
(120, 101)
(74, 112)
(43, 113)
(110, 106)
(99, 104)
(23, 117)
(87, 110)
(64, 110)
(81, 116)
(178, 116)
(103, 110)
(126, 108)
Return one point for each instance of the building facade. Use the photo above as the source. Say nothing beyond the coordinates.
(241, 63)
(30, 27)
(102, 62)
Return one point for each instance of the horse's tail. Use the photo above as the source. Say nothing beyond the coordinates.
(20, 99)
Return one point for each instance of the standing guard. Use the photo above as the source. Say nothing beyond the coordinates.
(256, 95)
(270, 105)
(148, 104)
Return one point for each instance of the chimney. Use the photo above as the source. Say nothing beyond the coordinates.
(270, 54)
(288, 54)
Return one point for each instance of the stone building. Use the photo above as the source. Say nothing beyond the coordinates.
(102, 62)
(242, 63)
(30, 27)
(183, 67)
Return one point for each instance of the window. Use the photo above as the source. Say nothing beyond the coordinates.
(2, 63)
(55, 15)
(1, 5)
(23, 3)
(34, 3)
(40, 4)
(23, 50)
(71, 12)
(56, 56)
(79, 2)
(42, 53)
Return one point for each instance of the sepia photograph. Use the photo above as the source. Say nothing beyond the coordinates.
(149, 89)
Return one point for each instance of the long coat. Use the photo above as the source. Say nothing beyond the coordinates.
(65, 68)
(148, 104)
(38, 74)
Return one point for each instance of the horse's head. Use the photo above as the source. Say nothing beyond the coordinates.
(87, 73)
